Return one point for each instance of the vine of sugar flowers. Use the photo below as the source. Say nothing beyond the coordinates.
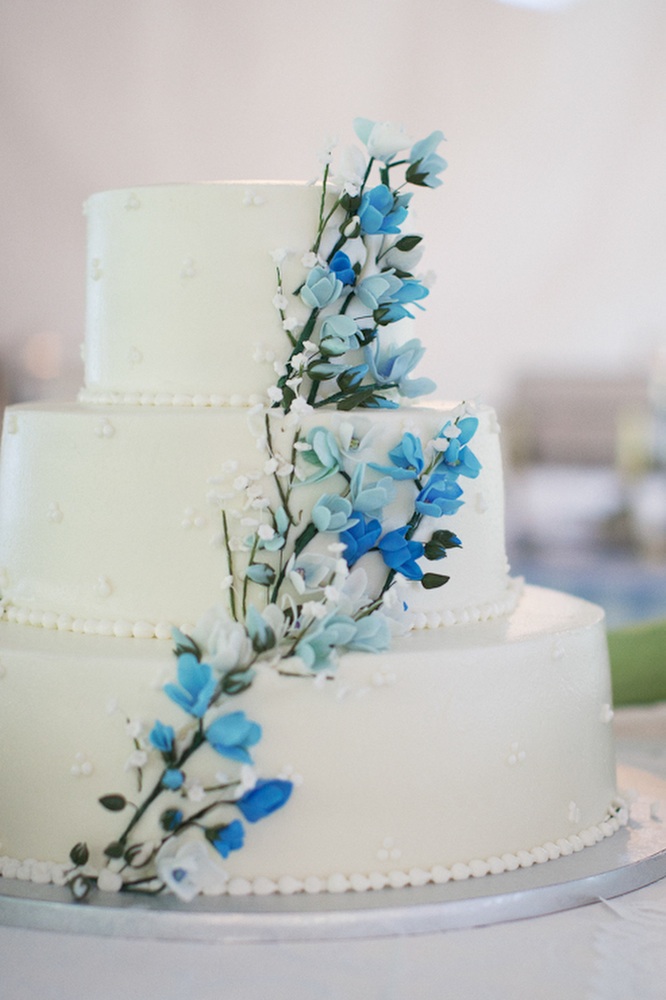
(306, 581)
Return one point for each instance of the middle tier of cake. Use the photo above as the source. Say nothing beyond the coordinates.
(125, 520)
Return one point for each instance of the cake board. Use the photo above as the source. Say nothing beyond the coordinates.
(633, 857)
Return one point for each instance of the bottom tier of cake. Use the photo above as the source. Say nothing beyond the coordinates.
(462, 751)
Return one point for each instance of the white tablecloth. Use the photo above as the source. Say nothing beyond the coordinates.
(605, 951)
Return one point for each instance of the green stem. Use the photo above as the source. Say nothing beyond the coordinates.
(230, 565)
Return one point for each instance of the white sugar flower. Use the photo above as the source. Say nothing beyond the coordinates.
(275, 394)
(300, 407)
(310, 259)
(189, 870)
(290, 324)
(137, 759)
(350, 170)
(280, 302)
(279, 254)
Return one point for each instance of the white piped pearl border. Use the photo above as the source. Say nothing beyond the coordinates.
(141, 629)
(44, 872)
(111, 398)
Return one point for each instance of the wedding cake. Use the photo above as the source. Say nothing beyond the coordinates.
(361, 697)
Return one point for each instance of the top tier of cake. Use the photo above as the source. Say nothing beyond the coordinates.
(181, 284)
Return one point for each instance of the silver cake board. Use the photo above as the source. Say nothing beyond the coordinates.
(633, 857)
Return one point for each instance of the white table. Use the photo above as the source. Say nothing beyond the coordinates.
(599, 952)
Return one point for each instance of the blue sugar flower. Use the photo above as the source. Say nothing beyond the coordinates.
(172, 779)
(411, 290)
(401, 554)
(360, 538)
(264, 799)
(323, 453)
(439, 497)
(378, 289)
(407, 458)
(457, 457)
(260, 632)
(260, 573)
(332, 513)
(391, 365)
(380, 212)
(162, 737)
(338, 335)
(425, 163)
(226, 839)
(372, 634)
(197, 685)
(321, 288)
(232, 734)
(370, 500)
(382, 139)
(341, 266)
(317, 647)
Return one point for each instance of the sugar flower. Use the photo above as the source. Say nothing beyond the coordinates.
(321, 288)
(401, 554)
(332, 513)
(407, 458)
(189, 870)
(381, 212)
(341, 266)
(425, 163)
(227, 838)
(392, 365)
(439, 497)
(196, 685)
(338, 334)
(383, 140)
(162, 737)
(265, 798)
(231, 735)
(360, 538)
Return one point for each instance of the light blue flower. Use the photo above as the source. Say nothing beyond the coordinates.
(197, 685)
(260, 632)
(332, 513)
(439, 497)
(317, 647)
(377, 289)
(370, 500)
(338, 334)
(323, 453)
(372, 634)
(264, 799)
(400, 554)
(410, 290)
(407, 458)
(231, 735)
(341, 266)
(360, 538)
(281, 526)
(425, 163)
(321, 288)
(260, 573)
(391, 364)
(311, 571)
(380, 212)
(172, 779)
(162, 737)
(228, 838)
(382, 139)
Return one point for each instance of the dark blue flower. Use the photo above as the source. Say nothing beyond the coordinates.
(162, 737)
(360, 538)
(226, 839)
(378, 212)
(232, 734)
(401, 554)
(197, 685)
(264, 799)
(173, 779)
(340, 265)
(439, 497)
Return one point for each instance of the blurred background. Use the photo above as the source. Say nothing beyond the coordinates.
(548, 237)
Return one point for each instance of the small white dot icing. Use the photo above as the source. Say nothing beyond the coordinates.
(558, 649)
(82, 767)
(104, 428)
(193, 518)
(480, 503)
(133, 202)
(54, 513)
(607, 714)
(516, 754)
(188, 268)
(250, 198)
(103, 587)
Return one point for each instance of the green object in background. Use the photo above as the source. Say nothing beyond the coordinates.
(638, 663)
